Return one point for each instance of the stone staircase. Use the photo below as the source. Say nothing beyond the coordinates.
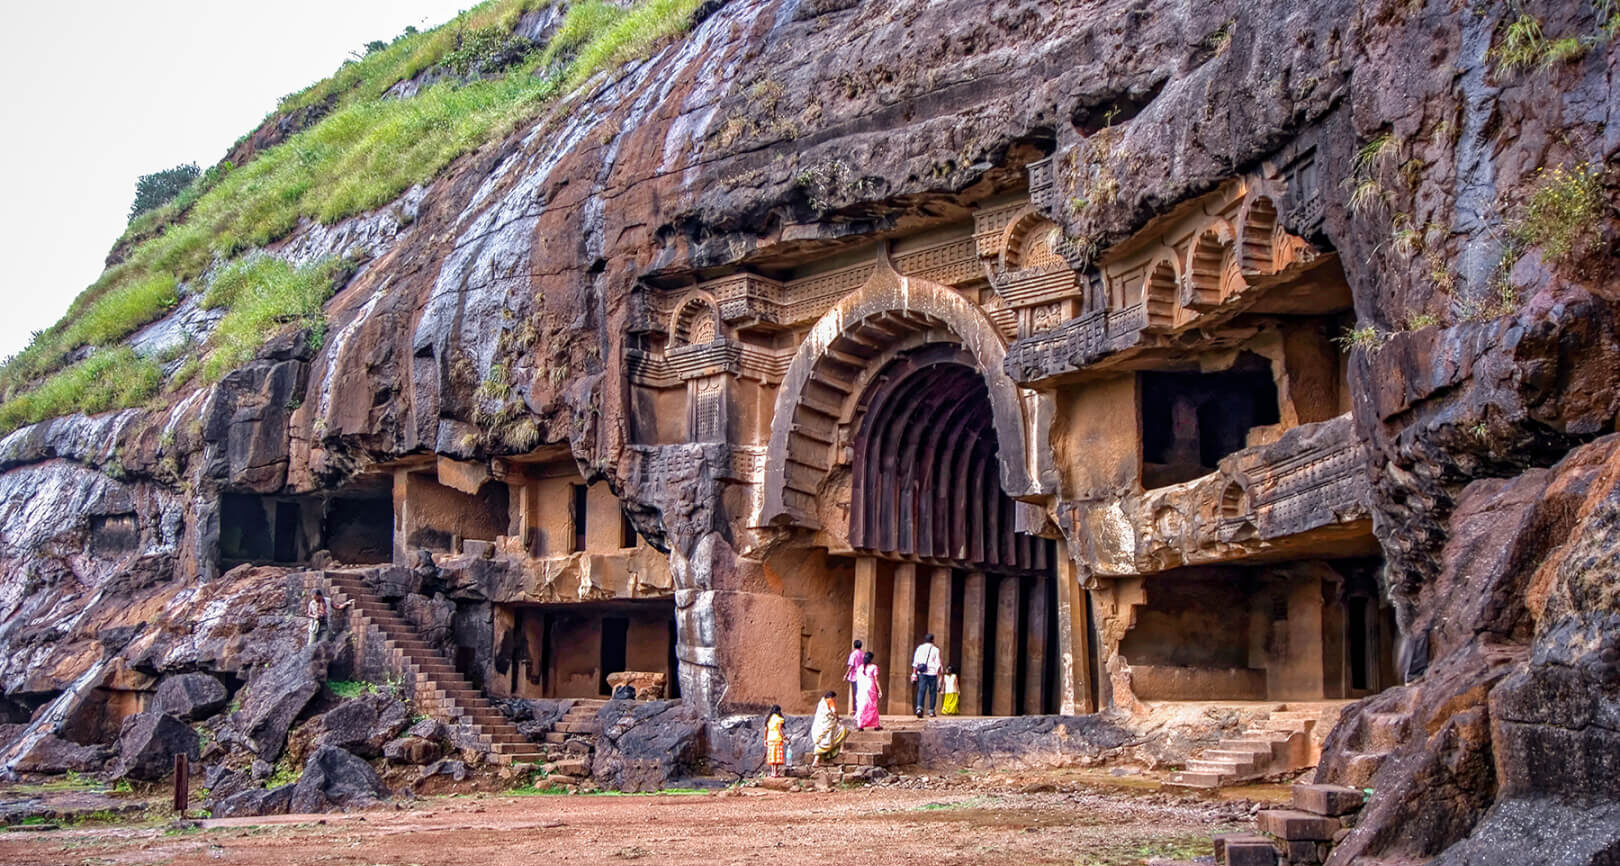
(1375, 737)
(579, 721)
(438, 689)
(889, 747)
(1282, 742)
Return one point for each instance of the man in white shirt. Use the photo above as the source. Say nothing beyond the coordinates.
(925, 665)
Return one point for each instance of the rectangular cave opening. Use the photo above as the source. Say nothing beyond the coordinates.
(568, 650)
(268, 530)
(441, 517)
(360, 529)
(1297, 630)
(1191, 420)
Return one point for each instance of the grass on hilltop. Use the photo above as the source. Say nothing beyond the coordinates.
(362, 154)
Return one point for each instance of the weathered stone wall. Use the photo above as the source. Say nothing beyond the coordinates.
(891, 118)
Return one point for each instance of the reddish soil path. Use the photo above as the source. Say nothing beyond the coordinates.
(879, 826)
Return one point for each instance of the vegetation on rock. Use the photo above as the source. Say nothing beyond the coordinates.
(152, 190)
(366, 151)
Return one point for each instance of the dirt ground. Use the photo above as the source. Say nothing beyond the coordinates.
(982, 822)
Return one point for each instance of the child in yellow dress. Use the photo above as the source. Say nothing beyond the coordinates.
(952, 692)
(775, 740)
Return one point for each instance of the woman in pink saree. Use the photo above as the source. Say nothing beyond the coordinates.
(867, 695)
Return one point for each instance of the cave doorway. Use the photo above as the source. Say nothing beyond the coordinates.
(568, 650)
(1190, 421)
(940, 547)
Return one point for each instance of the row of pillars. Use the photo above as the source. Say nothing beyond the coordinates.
(905, 632)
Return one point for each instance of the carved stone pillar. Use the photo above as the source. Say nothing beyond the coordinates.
(898, 694)
(1035, 652)
(865, 614)
(973, 644)
(1006, 648)
(1073, 658)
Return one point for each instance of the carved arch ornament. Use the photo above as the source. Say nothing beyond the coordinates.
(825, 378)
(696, 320)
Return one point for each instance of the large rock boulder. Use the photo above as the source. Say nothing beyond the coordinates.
(412, 750)
(189, 697)
(335, 779)
(645, 744)
(1020, 742)
(363, 725)
(735, 744)
(254, 802)
(275, 698)
(53, 754)
(148, 743)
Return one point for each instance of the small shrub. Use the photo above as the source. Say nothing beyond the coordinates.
(1564, 214)
(157, 188)
(1362, 337)
(1418, 321)
(1366, 168)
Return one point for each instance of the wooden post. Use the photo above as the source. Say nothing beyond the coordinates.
(182, 785)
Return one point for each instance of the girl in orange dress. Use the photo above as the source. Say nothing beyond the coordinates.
(776, 740)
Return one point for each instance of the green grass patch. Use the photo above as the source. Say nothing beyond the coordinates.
(347, 689)
(261, 294)
(361, 155)
(109, 379)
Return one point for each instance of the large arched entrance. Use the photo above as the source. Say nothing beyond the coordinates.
(939, 540)
(897, 453)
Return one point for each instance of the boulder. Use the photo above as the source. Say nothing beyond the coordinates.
(148, 743)
(646, 685)
(223, 782)
(335, 779)
(254, 802)
(189, 697)
(275, 698)
(428, 729)
(52, 754)
(736, 744)
(433, 617)
(363, 725)
(412, 750)
(645, 744)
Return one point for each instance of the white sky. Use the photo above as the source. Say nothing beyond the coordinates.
(99, 93)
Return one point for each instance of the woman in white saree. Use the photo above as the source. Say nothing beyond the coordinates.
(827, 732)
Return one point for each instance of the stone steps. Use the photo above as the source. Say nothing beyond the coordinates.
(886, 748)
(438, 689)
(1278, 743)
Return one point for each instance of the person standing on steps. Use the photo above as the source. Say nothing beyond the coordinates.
(827, 732)
(851, 665)
(950, 696)
(925, 665)
(868, 693)
(317, 611)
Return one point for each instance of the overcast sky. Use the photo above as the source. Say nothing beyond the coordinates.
(99, 93)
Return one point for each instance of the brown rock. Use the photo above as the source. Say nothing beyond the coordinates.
(1331, 800)
(1292, 826)
(649, 685)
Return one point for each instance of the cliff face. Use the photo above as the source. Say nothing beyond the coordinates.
(1484, 384)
